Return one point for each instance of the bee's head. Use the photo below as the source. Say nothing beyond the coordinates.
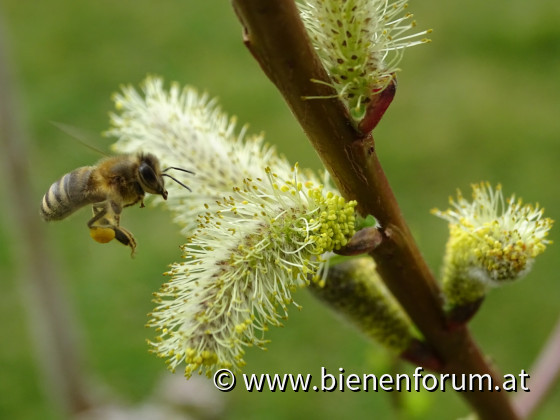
(150, 176)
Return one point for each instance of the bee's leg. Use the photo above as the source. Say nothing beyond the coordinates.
(122, 235)
(99, 228)
(104, 225)
(99, 210)
(125, 237)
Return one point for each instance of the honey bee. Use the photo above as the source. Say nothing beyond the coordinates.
(114, 183)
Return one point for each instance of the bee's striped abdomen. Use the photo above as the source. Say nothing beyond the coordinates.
(67, 194)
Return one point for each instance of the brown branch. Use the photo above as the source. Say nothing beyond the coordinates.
(544, 374)
(277, 39)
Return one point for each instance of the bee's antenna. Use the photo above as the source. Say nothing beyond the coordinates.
(178, 169)
(177, 181)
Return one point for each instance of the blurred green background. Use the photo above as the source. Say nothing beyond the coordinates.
(481, 102)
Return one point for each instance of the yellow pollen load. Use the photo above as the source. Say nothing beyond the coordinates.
(102, 235)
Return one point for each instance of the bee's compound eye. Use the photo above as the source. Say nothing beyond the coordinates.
(147, 174)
